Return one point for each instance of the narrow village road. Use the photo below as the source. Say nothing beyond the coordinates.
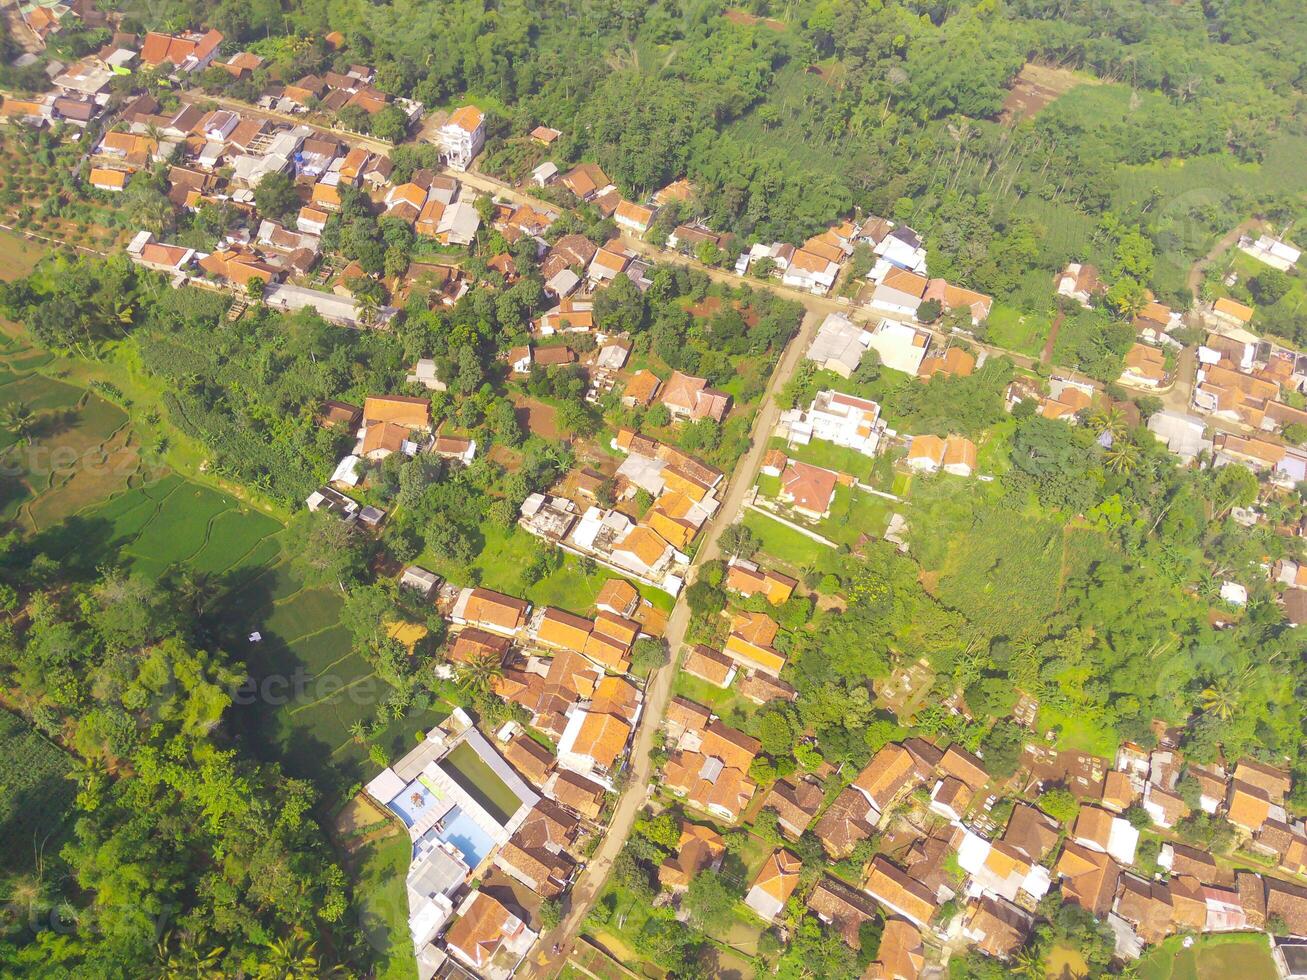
(658, 692)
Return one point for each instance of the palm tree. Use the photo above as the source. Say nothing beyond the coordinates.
(1108, 419)
(479, 674)
(1123, 457)
(190, 961)
(1222, 698)
(1030, 963)
(19, 419)
(358, 732)
(293, 958)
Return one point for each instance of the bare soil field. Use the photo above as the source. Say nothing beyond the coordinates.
(1035, 87)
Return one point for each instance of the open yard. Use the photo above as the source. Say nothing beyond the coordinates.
(792, 551)
(379, 869)
(502, 562)
(18, 256)
(1243, 955)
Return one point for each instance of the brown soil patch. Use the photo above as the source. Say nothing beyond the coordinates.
(508, 458)
(707, 307)
(536, 417)
(929, 581)
(1035, 87)
(737, 16)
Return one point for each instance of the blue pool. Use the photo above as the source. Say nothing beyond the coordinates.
(460, 830)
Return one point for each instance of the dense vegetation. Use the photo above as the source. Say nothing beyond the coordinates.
(184, 853)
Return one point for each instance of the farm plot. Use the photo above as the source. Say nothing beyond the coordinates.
(37, 795)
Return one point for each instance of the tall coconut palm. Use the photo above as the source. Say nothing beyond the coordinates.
(1108, 419)
(1222, 698)
(291, 958)
(19, 420)
(1123, 457)
(1029, 963)
(479, 674)
(192, 959)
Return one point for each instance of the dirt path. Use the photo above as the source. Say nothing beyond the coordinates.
(1220, 248)
(1047, 355)
(659, 690)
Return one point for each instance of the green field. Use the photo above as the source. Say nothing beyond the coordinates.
(379, 869)
(792, 549)
(829, 456)
(1011, 329)
(466, 767)
(1243, 955)
(855, 513)
(35, 794)
(504, 556)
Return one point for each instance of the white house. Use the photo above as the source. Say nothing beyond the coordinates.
(901, 346)
(1183, 434)
(839, 418)
(902, 247)
(462, 137)
(1275, 252)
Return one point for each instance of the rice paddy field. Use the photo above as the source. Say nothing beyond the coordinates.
(1243, 955)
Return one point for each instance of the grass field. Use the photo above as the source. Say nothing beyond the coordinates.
(35, 795)
(379, 870)
(1246, 956)
(855, 513)
(1022, 332)
(17, 256)
(790, 548)
(828, 455)
(503, 557)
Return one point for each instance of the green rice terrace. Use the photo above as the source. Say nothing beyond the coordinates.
(81, 483)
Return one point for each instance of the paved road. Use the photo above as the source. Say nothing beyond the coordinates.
(254, 112)
(659, 689)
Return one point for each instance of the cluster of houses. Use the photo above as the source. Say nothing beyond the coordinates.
(475, 823)
(500, 821)
(954, 874)
(649, 546)
(282, 258)
(382, 426)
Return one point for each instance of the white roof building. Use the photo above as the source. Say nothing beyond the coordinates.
(1182, 434)
(459, 224)
(901, 346)
(839, 345)
(837, 418)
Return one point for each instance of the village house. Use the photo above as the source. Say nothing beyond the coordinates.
(808, 489)
(490, 610)
(897, 891)
(835, 417)
(952, 361)
(952, 297)
(839, 345)
(1275, 252)
(901, 248)
(708, 665)
(586, 181)
(901, 346)
(1231, 312)
(687, 397)
(700, 849)
(185, 53)
(1079, 281)
(635, 218)
(774, 884)
(1144, 366)
(750, 642)
(899, 293)
(746, 578)
(795, 801)
(487, 938)
(814, 273)
(929, 454)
